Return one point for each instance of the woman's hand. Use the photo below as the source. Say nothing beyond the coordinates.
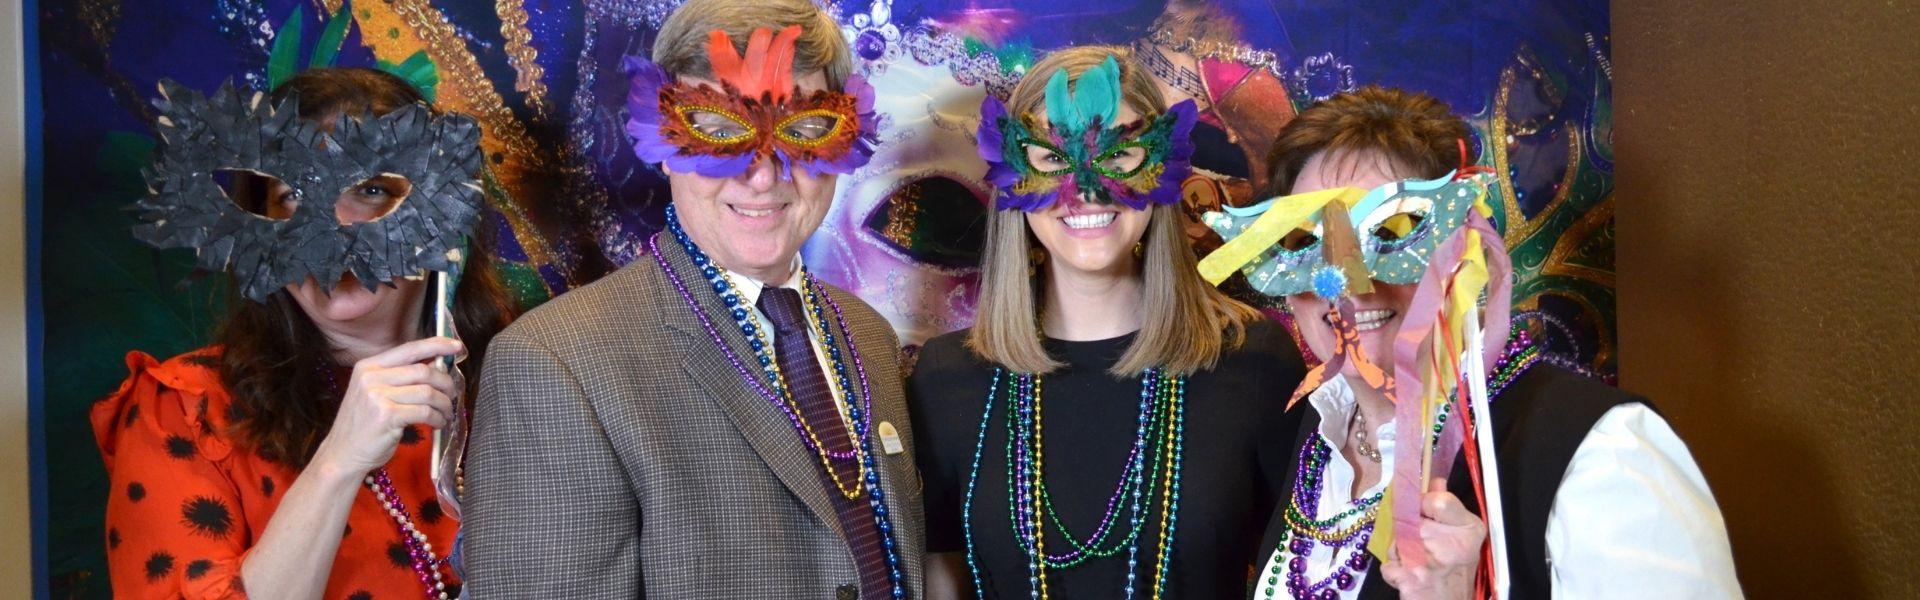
(1452, 536)
(388, 392)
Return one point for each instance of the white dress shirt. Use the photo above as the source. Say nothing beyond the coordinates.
(749, 290)
(1633, 517)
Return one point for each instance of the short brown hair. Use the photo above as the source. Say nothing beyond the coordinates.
(680, 48)
(1189, 322)
(1414, 130)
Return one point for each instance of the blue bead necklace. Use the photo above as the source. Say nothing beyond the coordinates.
(775, 383)
(774, 391)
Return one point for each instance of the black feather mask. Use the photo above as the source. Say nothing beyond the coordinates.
(201, 136)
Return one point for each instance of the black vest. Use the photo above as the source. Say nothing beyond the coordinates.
(1538, 423)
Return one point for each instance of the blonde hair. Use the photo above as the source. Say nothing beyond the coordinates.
(1188, 324)
(680, 48)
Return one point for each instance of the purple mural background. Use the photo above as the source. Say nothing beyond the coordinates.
(1532, 76)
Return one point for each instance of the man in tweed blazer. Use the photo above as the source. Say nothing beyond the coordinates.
(617, 451)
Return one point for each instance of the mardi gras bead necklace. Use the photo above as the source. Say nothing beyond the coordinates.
(426, 564)
(775, 383)
(870, 471)
(777, 380)
(1360, 437)
(859, 412)
(1130, 476)
(1152, 466)
(1350, 530)
(420, 555)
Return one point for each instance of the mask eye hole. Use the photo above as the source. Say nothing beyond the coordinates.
(263, 195)
(1397, 227)
(1123, 161)
(1299, 239)
(1046, 159)
(371, 199)
(1397, 222)
(810, 128)
(716, 126)
(935, 221)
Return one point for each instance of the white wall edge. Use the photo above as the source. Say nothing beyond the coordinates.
(16, 517)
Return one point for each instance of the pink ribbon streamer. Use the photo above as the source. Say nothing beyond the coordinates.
(1408, 482)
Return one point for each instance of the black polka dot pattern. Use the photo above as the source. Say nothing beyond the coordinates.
(206, 517)
(159, 565)
(182, 497)
(179, 447)
(360, 595)
(198, 569)
(182, 500)
(430, 511)
(397, 552)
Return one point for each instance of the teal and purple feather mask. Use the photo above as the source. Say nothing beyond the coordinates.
(1082, 153)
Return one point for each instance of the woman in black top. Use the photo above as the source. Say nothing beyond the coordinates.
(1111, 426)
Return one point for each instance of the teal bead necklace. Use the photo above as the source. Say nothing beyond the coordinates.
(1350, 529)
(1152, 467)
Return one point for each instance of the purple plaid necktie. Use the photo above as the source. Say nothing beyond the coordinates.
(808, 385)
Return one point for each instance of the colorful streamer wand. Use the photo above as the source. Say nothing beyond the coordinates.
(1440, 355)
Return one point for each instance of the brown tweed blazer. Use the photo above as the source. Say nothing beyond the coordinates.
(616, 453)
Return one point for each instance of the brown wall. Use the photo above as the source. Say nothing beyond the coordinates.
(1767, 221)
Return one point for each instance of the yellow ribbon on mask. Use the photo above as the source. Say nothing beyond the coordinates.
(1468, 283)
(1283, 216)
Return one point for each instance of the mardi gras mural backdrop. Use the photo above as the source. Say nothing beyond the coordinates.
(543, 79)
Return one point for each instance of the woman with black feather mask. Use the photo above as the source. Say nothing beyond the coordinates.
(288, 457)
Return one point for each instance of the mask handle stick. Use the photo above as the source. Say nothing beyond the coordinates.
(1483, 434)
(441, 325)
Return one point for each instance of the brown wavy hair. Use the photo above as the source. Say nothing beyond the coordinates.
(1416, 131)
(274, 360)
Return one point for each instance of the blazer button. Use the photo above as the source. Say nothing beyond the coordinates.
(847, 592)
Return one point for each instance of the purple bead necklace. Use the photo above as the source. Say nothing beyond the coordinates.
(861, 411)
(768, 388)
(426, 564)
(419, 550)
(1303, 531)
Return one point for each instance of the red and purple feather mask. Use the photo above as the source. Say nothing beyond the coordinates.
(756, 112)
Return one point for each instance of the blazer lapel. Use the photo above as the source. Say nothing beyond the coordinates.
(765, 427)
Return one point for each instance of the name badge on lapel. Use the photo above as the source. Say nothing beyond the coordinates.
(890, 439)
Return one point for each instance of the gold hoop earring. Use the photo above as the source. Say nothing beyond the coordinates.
(1035, 259)
(1138, 250)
